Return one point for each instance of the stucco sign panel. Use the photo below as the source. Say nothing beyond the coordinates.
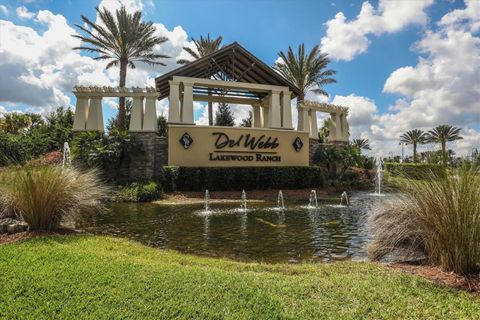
(203, 146)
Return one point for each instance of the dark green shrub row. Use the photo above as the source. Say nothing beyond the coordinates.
(237, 178)
(139, 192)
(414, 170)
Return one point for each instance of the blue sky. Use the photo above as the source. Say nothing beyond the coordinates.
(379, 50)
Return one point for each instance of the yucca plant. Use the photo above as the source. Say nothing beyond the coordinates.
(43, 195)
(438, 216)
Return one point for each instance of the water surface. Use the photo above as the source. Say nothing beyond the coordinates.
(330, 232)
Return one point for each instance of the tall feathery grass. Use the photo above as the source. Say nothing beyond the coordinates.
(438, 216)
(44, 195)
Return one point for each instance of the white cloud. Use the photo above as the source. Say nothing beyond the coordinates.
(23, 13)
(461, 18)
(346, 39)
(3, 10)
(3, 109)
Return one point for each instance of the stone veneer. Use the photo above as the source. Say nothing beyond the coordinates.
(147, 162)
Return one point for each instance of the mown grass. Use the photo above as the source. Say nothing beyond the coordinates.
(98, 278)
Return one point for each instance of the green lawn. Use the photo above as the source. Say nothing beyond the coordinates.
(98, 277)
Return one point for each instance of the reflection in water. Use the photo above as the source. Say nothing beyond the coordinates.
(294, 234)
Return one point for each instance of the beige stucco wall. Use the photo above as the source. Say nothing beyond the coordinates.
(203, 151)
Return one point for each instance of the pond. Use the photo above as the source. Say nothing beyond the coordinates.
(262, 233)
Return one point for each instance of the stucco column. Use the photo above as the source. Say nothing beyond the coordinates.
(265, 112)
(274, 114)
(286, 110)
(174, 102)
(136, 117)
(303, 122)
(346, 128)
(187, 104)
(95, 115)
(81, 114)
(150, 117)
(338, 126)
(332, 136)
(257, 116)
(312, 115)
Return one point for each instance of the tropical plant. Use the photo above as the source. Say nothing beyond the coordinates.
(123, 39)
(306, 71)
(113, 123)
(224, 116)
(43, 195)
(363, 144)
(324, 131)
(414, 137)
(162, 125)
(59, 126)
(14, 122)
(204, 46)
(247, 122)
(438, 216)
(443, 134)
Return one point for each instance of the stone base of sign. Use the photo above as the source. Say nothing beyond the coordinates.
(314, 144)
(145, 162)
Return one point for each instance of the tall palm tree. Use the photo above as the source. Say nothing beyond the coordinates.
(204, 46)
(123, 39)
(414, 137)
(361, 143)
(443, 134)
(306, 71)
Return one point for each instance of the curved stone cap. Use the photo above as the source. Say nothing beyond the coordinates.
(322, 106)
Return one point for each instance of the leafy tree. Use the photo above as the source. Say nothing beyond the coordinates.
(247, 122)
(362, 144)
(324, 131)
(162, 125)
(123, 39)
(306, 71)
(224, 116)
(443, 134)
(113, 122)
(414, 137)
(14, 122)
(204, 47)
(59, 127)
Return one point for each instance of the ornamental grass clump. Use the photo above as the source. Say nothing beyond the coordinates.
(43, 195)
(438, 216)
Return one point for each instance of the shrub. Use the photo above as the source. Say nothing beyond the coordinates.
(413, 170)
(439, 216)
(44, 195)
(139, 192)
(237, 178)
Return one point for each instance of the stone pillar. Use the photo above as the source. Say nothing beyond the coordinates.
(150, 117)
(346, 128)
(274, 114)
(303, 122)
(187, 104)
(265, 112)
(338, 126)
(286, 110)
(312, 115)
(257, 116)
(174, 102)
(95, 115)
(136, 117)
(81, 114)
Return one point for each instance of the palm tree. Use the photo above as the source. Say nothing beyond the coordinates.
(204, 46)
(123, 39)
(306, 71)
(361, 143)
(414, 137)
(443, 134)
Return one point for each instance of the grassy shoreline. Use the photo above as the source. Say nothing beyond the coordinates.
(101, 277)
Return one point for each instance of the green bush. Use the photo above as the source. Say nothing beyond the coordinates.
(237, 178)
(139, 192)
(413, 170)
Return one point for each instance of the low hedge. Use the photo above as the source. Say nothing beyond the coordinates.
(414, 170)
(237, 178)
(144, 191)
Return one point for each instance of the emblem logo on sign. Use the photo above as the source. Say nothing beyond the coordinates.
(297, 144)
(186, 140)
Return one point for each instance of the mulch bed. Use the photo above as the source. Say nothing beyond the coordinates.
(9, 238)
(469, 283)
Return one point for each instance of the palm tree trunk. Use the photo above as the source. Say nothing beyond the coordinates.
(414, 152)
(121, 103)
(444, 152)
